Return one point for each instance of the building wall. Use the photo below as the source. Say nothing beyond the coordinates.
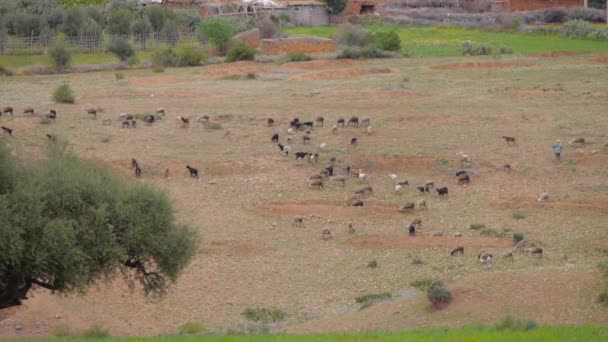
(307, 15)
(297, 44)
(530, 5)
(353, 7)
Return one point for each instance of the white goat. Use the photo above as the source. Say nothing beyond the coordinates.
(369, 130)
(464, 157)
(543, 197)
(392, 176)
(323, 146)
(397, 189)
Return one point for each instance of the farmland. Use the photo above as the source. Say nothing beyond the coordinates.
(423, 111)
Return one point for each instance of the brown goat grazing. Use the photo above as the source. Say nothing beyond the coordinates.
(353, 121)
(270, 122)
(298, 221)
(160, 112)
(193, 171)
(305, 139)
(91, 111)
(7, 110)
(315, 183)
(578, 140)
(126, 124)
(506, 167)
(509, 255)
(537, 251)
(149, 119)
(365, 121)
(509, 140)
(51, 115)
(185, 121)
(7, 130)
(326, 234)
(420, 204)
(320, 120)
(457, 250)
(353, 141)
(51, 137)
(340, 122)
(410, 206)
(137, 171)
(28, 110)
(464, 179)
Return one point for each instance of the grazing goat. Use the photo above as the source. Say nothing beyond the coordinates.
(193, 172)
(353, 141)
(185, 121)
(416, 222)
(410, 206)
(543, 197)
(275, 139)
(464, 158)
(457, 250)
(7, 130)
(403, 182)
(326, 234)
(137, 171)
(286, 150)
(133, 163)
(313, 157)
(464, 179)
(298, 221)
(420, 204)
(149, 119)
(322, 146)
(315, 183)
(506, 167)
(485, 257)
(423, 188)
(51, 115)
(537, 251)
(320, 120)
(125, 116)
(334, 130)
(339, 179)
(353, 121)
(509, 140)
(327, 171)
(7, 110)
(160, 112)
(355, 202)
(133, 124)
(392, 176)
(270, 122)
(362, 176)
(203, 119)
(305, 139)
(167, 173)
(412, 230)
(91, 111)
(369, 130)
(29, 110)
(351, 229)
(365, 121)
(460, 173)
(301, 155)
(442, 191)
(578, 140)
(126, 124)
(308, 124)
(509, 255)
(281, 147)
(340, 122)
(397, 189)
(51, 137)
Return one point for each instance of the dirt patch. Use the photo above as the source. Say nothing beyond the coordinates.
(325, 208)
(156, 80)
(397, 241)
(533, 93)
(599, 60)
(344, 73)
(471, 65)
(234, 248)
(321, 64)
(22, 123)
(532, 203)
(555, 53)
(393, 164)
(238, 68)
(375, 94)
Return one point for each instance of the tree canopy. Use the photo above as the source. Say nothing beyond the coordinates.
(65, 225)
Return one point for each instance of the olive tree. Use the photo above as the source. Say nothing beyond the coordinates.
(217, 30)
(66, 225)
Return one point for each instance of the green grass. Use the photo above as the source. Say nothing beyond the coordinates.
(470, 333)
(422, 41)
(19, 61)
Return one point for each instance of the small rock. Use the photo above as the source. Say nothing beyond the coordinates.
(457, 234)
(274, 224)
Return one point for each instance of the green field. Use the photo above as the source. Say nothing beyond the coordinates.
(420, 41)
(478, 334)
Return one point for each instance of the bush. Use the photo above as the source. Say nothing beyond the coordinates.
(373, 297)
(505, 50)
(121, 48)
(61, 57)
(119, 21)
(264, 315)
(335, 6)
(213, 126)
(165, 58)
(240, 52)
(477, 226)
(62, 331)
(96, 331)
(518, 237)
(372, 264)
(600, 34)
(370, 51)
(470, 49)
(5, 71)
(422, 284)
(509, 323)
(351, 35)
(132, 61)
(519, 215)
(189, 56)
(437, 293)
(555, 15)
(268, 29)
(192, 328)
(63, 94)
(170, 32)
(387, 41)
(577, 29)
(217, 30)
(297, 57)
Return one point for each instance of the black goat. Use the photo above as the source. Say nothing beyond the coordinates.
(28, 110)
(340, 122)
(460, 173)
(193, 171)
(7, 130)
(275, 138)
(301, 155)
(126, 124)
(149, 119)
(270, 122)
(424, 188)
(321, 120)
(309, 124)
(442, 191)
(137, 171)
(412, 230)
(457, 250)
(353, 141)
(280, 147)
(327, 171)
(353, 121)
(7, 110)
(133, 163)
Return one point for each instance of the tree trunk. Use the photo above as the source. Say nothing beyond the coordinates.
(13, 288)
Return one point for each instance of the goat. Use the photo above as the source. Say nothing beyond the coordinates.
(275, 139)
(362, 176)
(298, 221)
(416, 222)
(464, 158)
(421, 203)
(485, 257)
(289, 140)
(442, 191)
(509, 255)
(537, 251)
(167, 173)
(133, 124)
(160, 112)
(320, 120)
(149, 119)
(286, 150)
(578, 140)
(326, 234)
(353, 141)
(339, 179)
(509, 140)
(51, 115)
(305, 139)
(464, 179)
(353, 121)
(506, 167)
(281, 147)
(457, 250)
(423, 188)
(203, 119)
(327, 171)
(365, 121)
(270, 122)
(193, 172)
(125, 116)
(323, 146)
(7, 110)
(351, 229)
(126, 124)
(403, 182)
(313, 157)
(137, 171)
(355, 202)
(397, 189)
(340, 122)
(51, 137)
(392, 176)
(315, 183)
(369, 130)
(407, 207)
(460, 173)
(29, 110)
(185, 121)
(301, 155)
(543, 197)
(334, 130)
(367, 190)
(308, 124)
(429, 185)
(412, 230)
(133, 163)
(91, 111)
(7, 130)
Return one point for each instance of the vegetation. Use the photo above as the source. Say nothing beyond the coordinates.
(61, 57)
(96, 331)
(388, 41)
(336, 6)
(240, 52)
(509, 323)
(189, 56)
(372, 264)
(370, 51)
(217, 30)
(165, 58)
(121, 48)
(264, 315)
(66, 225)
(438, 293)
(373, 297)
(519, 215)
(603, 297)
(422, 284)
(518, 237)
(64, 94)
(192, 328)
(477, 226)
(297, 57)
(471, 49)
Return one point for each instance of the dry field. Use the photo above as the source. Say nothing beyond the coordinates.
(423, 111)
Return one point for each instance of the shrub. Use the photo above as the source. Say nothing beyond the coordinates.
(468, 48)
(388, 41)
(600, 34)
(61, 57)
(119, 21)
(170, 32)
(477, 226)
(505, 50)
(63, 94)
(264, 315)
(555, 15)
(165, 58)
(422, 284)
(372, 264)
(5, 71)
(417, 261)
(192, 328)
(351, 35)
(96, 331)
(217, 30)
(297, 57)
(190, 56)
(132, 61)
(213, 126)
(437, 293)
(240, 52)
(372, 298)
(509, 323)
(577, 29)
(519, 215)
(268, 29)
(121, 48)
(443, 161)
(335, 6)
(518, 237)
(370, 51)
(62, 331)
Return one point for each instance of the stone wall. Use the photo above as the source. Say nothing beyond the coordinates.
(297, 44)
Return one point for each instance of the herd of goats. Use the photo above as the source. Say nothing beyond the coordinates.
(328, 171)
